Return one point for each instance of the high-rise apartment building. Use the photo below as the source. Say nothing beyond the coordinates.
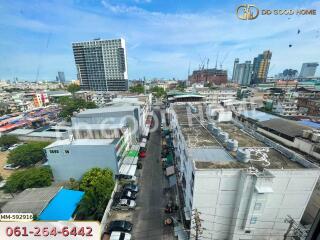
(261, 65)
(242, 72)
(101, 64)
(308, 69)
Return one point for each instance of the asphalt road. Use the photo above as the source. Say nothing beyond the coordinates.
(148, 217)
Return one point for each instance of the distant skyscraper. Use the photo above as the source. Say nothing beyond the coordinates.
(308, 69)
(261, 65)
(242, 72)
(61, 78)
(101, 65)
(236, 61)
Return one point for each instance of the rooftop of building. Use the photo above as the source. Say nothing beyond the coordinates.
(192, 129)
(31, 200)
(258, 115)
(276, 159)
(82, 142)
(284, 126)
(108, 109)
(62, 206)
(208, 152)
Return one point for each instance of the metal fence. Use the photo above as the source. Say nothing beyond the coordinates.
(108, 209)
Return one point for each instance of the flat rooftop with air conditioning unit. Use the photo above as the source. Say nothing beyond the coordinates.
(244, 184)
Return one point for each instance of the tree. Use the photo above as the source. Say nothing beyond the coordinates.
(139, 88)
(73, 88)
(158, 91)
(71, 105)
(8, 140)
(30, 178)
(27, 154)
(98, 185)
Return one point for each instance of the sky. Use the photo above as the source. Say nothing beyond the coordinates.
(163, 37)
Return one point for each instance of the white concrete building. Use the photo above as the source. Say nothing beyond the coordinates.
(214, 96)
(72, 158)
(245, 192)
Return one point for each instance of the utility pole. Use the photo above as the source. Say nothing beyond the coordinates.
(197, 224)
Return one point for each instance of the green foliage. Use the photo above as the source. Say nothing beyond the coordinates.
(8, 140)
(27, 154)
(98, 185)
(73, 88)
(73, 184)
(1, 178)
(71, 105)
(139, 88)
(158, 91)
(30, 178)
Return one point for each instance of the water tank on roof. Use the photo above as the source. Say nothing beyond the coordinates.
(315, 137)
(223, 136)
(243, 155)
(194, 109)
(216, 131)
(232, 145)
(306, 133)
(211, 125)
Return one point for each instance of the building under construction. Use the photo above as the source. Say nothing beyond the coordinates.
(211, 75)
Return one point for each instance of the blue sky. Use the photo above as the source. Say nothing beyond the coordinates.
(163, 37)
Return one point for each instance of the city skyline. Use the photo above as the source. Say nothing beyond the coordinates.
(163, 39)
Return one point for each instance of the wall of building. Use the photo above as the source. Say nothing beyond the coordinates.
(230, 205)
(72, 161)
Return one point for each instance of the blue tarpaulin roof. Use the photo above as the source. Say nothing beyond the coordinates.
(309, 124)
(62, 206)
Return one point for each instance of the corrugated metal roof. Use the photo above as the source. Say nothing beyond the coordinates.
(287, 127)
(21, 132)
(257, 115)
(106, 110)
(81, 142)
(31, 200)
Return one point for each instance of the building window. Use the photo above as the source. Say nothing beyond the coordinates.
(253, 220)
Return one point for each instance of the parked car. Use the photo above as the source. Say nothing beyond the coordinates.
(126, 177)
(142, 154)
(119, 225)
(131, 187)
(10, 167)
(126, 194)
(4, 148)
(14, 146)
(120, 236)
(126, 204)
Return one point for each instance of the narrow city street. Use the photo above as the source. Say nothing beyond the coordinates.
(148, 217)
